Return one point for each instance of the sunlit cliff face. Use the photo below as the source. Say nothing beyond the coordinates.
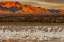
(9, 4)
(20, 8)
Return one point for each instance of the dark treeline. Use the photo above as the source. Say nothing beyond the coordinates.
(32, 18)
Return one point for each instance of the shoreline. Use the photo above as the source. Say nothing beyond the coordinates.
(29, 24)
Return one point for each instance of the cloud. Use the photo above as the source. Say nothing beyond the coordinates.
(42, 3)
(54, 1)
(47, 4)
(50, 1)
(57, 7)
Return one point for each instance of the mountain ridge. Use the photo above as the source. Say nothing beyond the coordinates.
(17, 8)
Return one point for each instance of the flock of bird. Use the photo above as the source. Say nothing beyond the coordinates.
(40, 33)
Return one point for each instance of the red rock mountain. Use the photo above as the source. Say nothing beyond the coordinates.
(9, 7)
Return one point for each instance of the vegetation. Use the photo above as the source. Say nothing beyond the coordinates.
(32, 18)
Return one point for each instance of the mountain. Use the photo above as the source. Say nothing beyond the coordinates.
(10, 7)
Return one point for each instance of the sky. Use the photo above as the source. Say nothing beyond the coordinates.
(55, 4)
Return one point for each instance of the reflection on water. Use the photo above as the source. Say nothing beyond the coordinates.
(34, 33)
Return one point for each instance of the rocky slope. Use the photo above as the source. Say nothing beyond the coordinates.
(10, 7)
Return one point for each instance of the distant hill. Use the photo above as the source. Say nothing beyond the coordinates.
(10, 7)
